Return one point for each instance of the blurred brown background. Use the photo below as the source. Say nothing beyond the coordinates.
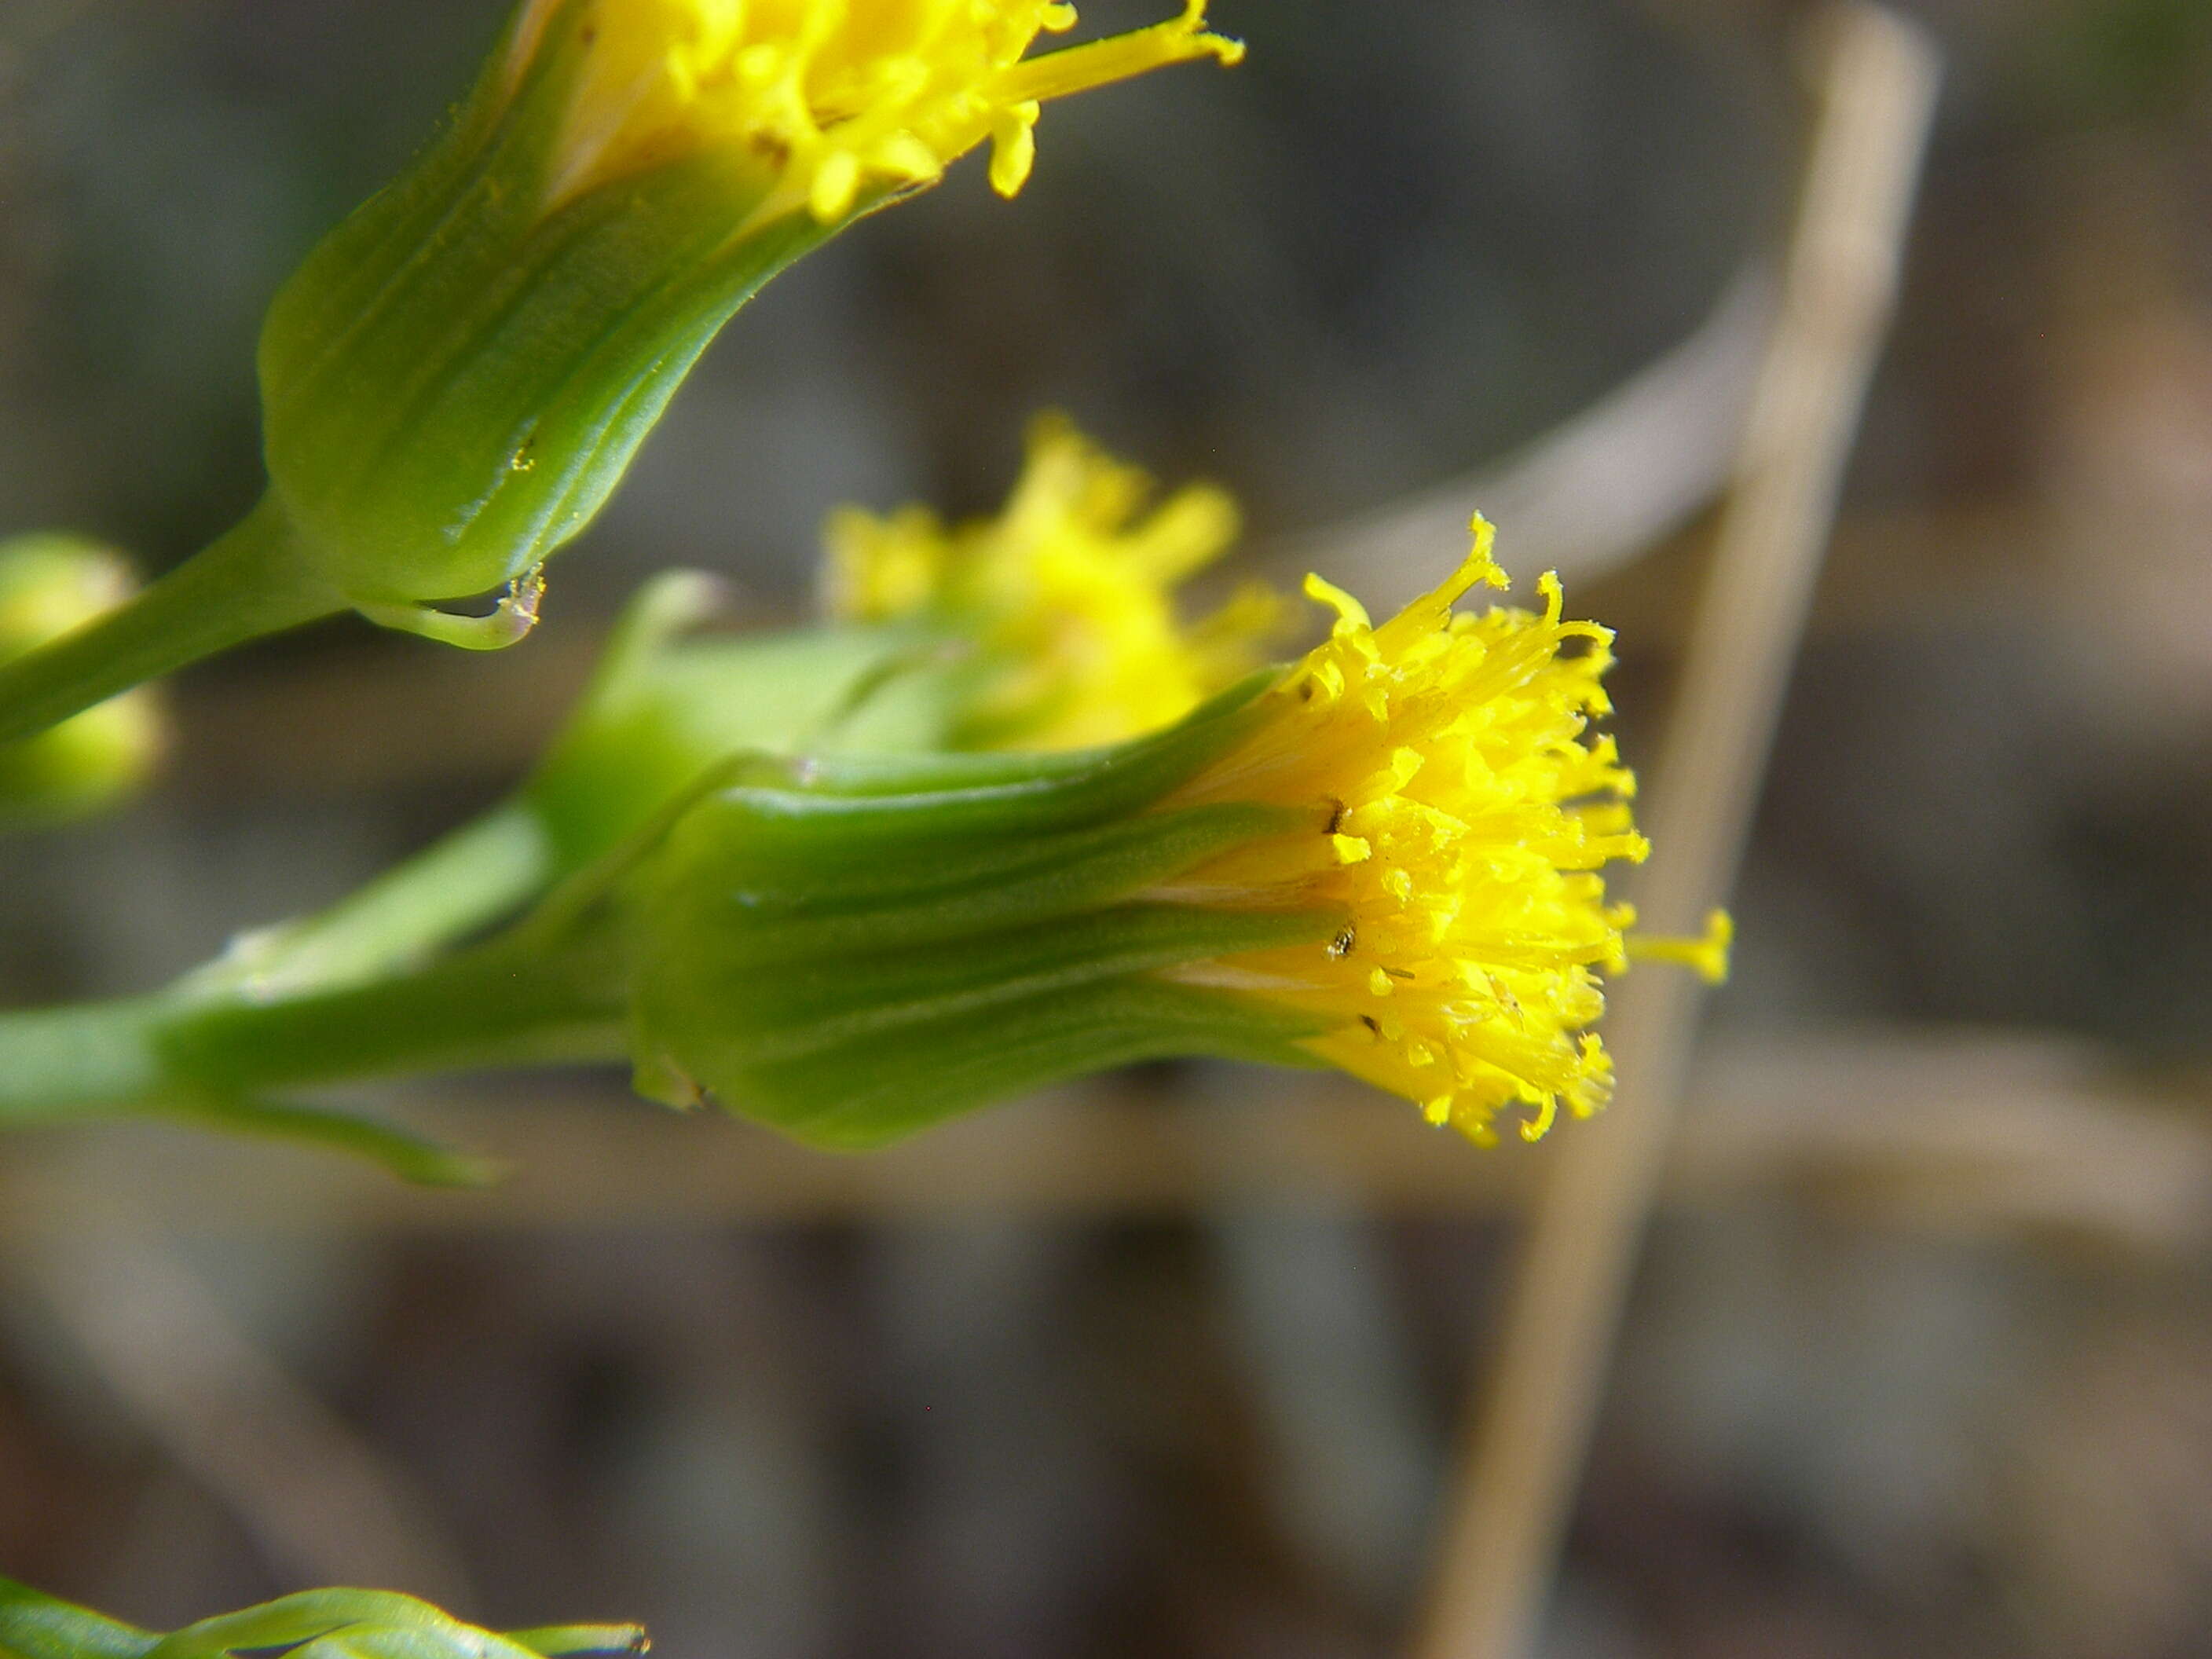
(1919, 1363)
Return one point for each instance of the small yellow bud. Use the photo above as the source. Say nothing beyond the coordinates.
(50, 584)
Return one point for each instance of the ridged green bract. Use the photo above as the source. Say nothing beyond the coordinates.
(851, 949)
(665, 709)
(455, 379)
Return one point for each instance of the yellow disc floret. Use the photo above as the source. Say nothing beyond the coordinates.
(1461, 813)
(1069, 594)
(843, 96)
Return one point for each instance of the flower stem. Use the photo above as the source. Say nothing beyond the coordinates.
(246, 583)
(519, 1000)
(487, 869)
(57, 1062)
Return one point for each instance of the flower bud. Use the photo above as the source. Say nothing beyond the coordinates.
(1387, 859)
(49, 585)
(456, 379)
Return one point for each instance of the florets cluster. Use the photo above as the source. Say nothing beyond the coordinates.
(1460, 810)
(1070, 594)
(842, 96)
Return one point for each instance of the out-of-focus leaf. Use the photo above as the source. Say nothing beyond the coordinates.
(322, 1624)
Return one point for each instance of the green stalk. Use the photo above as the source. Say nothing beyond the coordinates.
(519, 999)
(247, 583)
(487, 869)
(57, 1062)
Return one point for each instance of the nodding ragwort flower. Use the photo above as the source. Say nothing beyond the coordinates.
(1387, 859)
(455, 380)
(1068, 595)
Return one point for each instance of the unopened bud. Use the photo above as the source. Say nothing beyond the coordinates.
(51, 585)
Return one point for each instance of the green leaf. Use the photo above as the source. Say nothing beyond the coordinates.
(35, 1626)
(409, 1156)
(321, 1623)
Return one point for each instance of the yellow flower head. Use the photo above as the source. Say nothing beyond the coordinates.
(1070, 592)
(845, 96)
(1458, 814)
(1387, 858)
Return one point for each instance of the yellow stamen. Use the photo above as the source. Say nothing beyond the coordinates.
(1707, 955)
